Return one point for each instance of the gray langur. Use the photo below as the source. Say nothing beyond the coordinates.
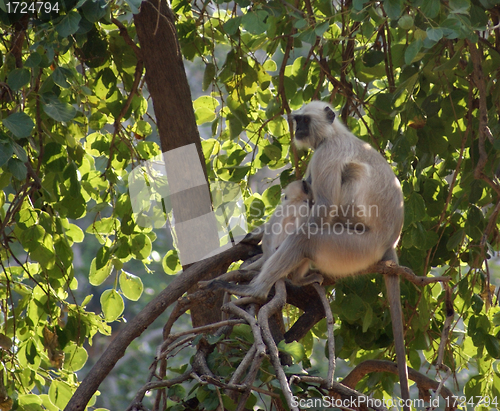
(290, 215)
(355, 221)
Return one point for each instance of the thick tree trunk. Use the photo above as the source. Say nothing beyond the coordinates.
(167, 83)
(166, 77)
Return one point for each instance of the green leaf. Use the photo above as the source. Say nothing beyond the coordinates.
(18, 78)
(59, 111)
(393, 8)
(419, 236)
(134, 5)
(170, 263)
(75, 357)
(33, 60)
(459, 6)
(256, 209)
(431, 8)
(104, 226)
(69, 24)
(6, 152)
(176, 392)
(94, 10)
(131, 286)
(435, 34)
(148, 149)
(112, 305)
(414, 209)
(97, 277)
(373, 57)
(254, 21)
(206, 102)
(406, 22)
(59, 77)
(412, 51)
(492, 346)
(300, 24)
(232, 26)
(29, 402)
(102, 257)
(352, 307)
(19, 124)
(204, 115)
(368, 318)
(20, 152)
(475, 387)
(17, 168)
(295, 349)
(98, 120)
(272, 152)
(321, 28)
(142, 128)
(208, 76)
(141, 246)
(60, 393)
(455, 240)
(272, 196)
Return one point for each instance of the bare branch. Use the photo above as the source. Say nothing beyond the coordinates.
(450, 315)
(331, 339)
(265, 312)
(137, 402)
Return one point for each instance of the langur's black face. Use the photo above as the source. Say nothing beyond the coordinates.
(301, 126)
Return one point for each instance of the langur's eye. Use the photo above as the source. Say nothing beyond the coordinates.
(306, 120)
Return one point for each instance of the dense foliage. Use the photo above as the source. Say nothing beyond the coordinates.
(419, 80)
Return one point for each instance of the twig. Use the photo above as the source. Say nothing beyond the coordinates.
(126, 37)
(196, 330)
(450, 314)
(484, 130)
(259, 349)
(265, 312)
(137, 401)
(331, 338)
(437, 393)
(390, 267)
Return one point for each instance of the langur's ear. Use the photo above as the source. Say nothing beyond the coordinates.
(330, 114)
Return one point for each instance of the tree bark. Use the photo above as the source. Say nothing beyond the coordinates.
(168, 86)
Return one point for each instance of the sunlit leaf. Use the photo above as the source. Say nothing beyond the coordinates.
(131, 286)
(112, 305)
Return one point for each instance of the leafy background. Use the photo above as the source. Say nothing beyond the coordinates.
(416, 79)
